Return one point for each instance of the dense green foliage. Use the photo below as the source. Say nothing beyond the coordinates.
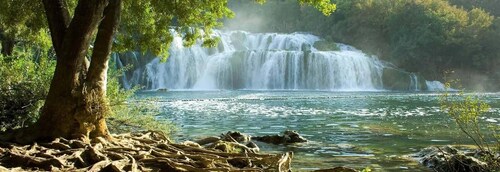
(25, 79)
(147, 26)
(144, 26)
(129, 115)
(423, 36)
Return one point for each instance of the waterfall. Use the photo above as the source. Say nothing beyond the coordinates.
(437, 86)
(245, 60)
(413, 82)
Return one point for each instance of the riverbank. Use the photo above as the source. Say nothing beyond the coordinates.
(148, 151)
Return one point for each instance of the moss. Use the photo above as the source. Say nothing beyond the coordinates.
(326, 46)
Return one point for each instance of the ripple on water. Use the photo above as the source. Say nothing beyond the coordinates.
(377, 125)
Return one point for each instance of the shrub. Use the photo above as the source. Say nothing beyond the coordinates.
(466, 111)
(129, 114)
(25, 78)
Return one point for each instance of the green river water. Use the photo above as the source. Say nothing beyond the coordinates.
(357, 129)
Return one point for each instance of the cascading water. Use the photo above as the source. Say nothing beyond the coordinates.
(262, 61)
(414, 82)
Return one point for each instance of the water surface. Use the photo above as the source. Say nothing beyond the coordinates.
(356, 129)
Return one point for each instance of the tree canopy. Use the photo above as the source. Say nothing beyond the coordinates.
(146, 25)
(83, 34)
(421, 36)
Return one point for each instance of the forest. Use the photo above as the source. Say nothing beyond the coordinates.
(424, 36)
(260, 85)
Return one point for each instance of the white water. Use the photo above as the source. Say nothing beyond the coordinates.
(262, 61)
(436, 86)
(414, 86)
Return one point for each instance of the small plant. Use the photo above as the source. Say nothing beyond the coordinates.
(128, 116)
(466, 111)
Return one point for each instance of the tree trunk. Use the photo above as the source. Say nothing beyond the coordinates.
(7, 44)
(96, 80)
(75, 105)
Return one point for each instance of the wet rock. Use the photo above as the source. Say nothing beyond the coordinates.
(397, 79)
(236, 136)
(232, 147)
(288, 137)
(448, 158)
(324, 45)
(162, 90)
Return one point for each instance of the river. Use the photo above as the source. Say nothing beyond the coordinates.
(356, 129)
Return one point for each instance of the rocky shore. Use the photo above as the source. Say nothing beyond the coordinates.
(152, 151)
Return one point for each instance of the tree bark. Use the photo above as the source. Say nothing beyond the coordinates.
(7, 46)
(96, 80)
(58, 20)
(66, 109)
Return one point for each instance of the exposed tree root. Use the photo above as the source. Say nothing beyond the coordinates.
(148, 151)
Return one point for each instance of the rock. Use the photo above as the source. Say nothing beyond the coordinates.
(294, 137)
(162, 90)
(447, 158)
(232, 147)
(326, 46)
(394, 79)
(288, 137)
(237, 136)
(337, 169)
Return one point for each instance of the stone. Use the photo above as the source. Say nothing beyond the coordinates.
(294, 137)
(395, 79)
(326, 46)
(288, 137)
(448, 158)
(237, 136)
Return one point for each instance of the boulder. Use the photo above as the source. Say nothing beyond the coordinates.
(288, 137)
(326, 46)
(396, 79)
(447, 158)
(236, 135)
